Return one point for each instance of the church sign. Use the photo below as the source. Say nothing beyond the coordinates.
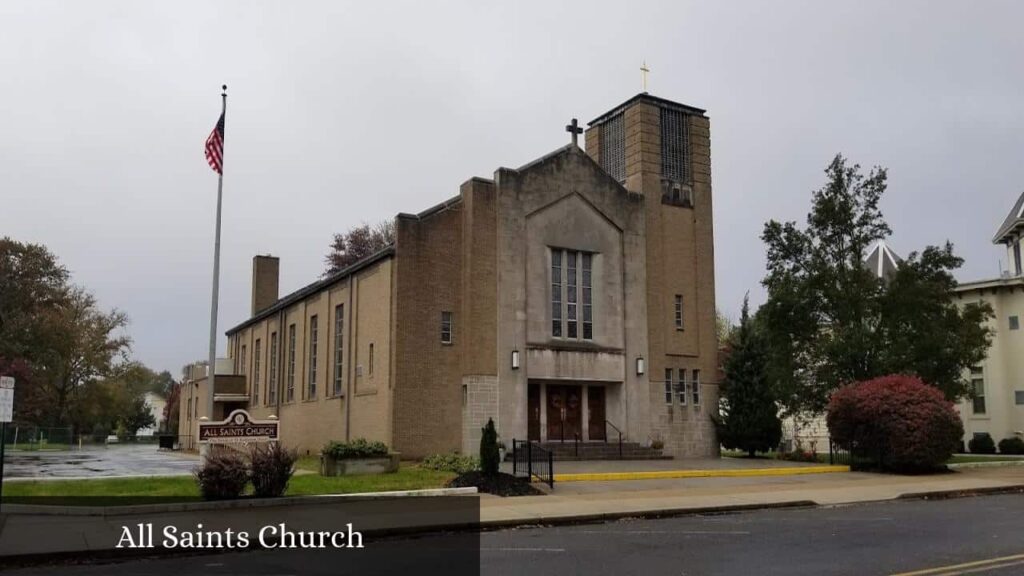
(238, 428)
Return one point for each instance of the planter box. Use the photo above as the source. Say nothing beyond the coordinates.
(378, 465)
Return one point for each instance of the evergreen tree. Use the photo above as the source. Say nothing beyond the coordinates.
(489, 455)
(749, 412)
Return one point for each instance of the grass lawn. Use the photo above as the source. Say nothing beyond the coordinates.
(408, 477)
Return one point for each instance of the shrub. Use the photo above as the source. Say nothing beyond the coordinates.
(271, 469)
(898, 421)
(489, 456)
(223, 475)
(358, 448)
(1011, 445)
(982, 444)
(456, 463)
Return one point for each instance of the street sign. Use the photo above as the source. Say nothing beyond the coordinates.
(238, 428)
(6, 398)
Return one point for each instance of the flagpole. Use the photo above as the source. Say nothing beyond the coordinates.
(212, 367)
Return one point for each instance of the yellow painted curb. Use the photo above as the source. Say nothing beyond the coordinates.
(663, 474)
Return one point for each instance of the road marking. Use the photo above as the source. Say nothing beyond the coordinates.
(969, 567)
(718, 532)
(522, 549)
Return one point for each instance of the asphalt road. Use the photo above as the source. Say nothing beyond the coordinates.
(881, 538)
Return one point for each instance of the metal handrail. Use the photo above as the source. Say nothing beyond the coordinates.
(616, 428)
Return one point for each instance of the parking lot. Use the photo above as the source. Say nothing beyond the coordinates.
(98, 461)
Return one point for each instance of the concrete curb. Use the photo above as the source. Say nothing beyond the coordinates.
(198, 506)
(995, 464)
(964, 493)
(666, 474)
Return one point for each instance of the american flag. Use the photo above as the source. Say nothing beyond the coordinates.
(215, 147)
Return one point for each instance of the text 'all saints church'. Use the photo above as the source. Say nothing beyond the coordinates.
(570, 300)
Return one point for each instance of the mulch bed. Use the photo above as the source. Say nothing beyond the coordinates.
(500, 484)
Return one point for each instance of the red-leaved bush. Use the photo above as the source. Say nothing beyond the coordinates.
(897, 421)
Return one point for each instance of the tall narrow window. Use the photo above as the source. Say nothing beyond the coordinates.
(588, 297)
(446, 327)
(696, 387)
(668, 386)
(1016, 258)
(339, 348)
(679, 312)
(272, 379)
(256, 372)
(314, 340)
(556, 293)
(978, 389)
(241, 361)
(681, 389)
(675, 153)
(571, 326)
(613, 148)
(371, 358)
(289, 394)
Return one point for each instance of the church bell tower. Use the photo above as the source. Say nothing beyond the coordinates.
(661, 150)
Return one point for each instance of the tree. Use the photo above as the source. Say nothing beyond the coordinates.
(748, 418)
(830, 321)
(171, 410)
(347, 248)
(489, 454)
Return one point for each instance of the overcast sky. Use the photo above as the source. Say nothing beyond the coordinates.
(342, 112)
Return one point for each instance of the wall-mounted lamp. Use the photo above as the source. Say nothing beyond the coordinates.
(515, 359)
(640, 366)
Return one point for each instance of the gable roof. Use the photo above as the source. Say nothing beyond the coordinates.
(1014, 220)
(315, 287)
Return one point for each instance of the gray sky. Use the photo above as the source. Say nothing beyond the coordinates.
(346, 112)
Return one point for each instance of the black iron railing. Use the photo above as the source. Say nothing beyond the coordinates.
(530, 460)
(616, 428)
(838, 455)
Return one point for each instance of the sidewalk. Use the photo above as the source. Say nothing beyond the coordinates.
(34, 533)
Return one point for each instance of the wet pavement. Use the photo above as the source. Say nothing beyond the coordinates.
(99, 461)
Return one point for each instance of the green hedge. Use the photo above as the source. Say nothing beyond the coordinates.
(455, 463)
(358, 448)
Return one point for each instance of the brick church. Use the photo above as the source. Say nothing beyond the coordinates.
(571, 300)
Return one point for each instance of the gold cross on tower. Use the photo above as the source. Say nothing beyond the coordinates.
(643, 75)
(574, 129)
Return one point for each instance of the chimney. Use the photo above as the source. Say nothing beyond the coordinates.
(265, 273)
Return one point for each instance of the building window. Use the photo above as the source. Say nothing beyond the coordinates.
(668, 386)
(1016, 258)
(695, 387)
(446, 327)
(339, 348)
(241, 361)
(679, 312)
(1014, 323)
(556, 293)
(681, 388)
(371, 359)
(256, 372)
(289, 394)
(314, 341)
(978, 389)
(188, 414)
(272, 379)
(613, 148)
(1018, 397)
(588, 296)
(675, 157)
(579, 282)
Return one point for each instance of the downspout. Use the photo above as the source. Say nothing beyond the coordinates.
(351, 359)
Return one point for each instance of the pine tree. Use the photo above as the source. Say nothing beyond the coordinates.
(749, 412)
(489, 454)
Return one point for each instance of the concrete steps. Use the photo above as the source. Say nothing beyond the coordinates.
(567, 451)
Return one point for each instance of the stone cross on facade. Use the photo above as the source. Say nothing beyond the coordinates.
(574, 129)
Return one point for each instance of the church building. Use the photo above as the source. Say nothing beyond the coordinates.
(571, 300)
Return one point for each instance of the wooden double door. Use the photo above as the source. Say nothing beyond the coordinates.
(564, 407)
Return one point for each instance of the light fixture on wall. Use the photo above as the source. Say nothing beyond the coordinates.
(515, 359)
(640, 366)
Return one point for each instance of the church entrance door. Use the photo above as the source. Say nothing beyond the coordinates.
(595, 413)
(533, 407)
(565, 407)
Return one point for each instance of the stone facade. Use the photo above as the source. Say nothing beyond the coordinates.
(551, 298)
